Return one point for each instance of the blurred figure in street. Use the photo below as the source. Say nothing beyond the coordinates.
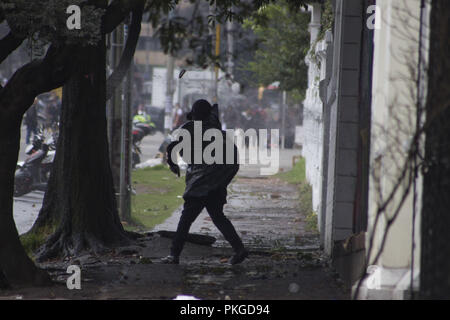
(53, 110)
(143, 116)
(179, 116)
(137, 107)
(31, 122)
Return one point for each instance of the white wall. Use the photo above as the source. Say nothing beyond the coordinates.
(193, 81)
(159, 87)
(313, 134)
(312, 114)
(393, 121)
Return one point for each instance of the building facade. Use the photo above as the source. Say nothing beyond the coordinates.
(358, 124)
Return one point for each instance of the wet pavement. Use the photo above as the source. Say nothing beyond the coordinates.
(264, 211)
(26, 209)
(285, 259)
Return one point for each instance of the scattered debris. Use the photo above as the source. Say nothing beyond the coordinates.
(145, 260)
(192, 238)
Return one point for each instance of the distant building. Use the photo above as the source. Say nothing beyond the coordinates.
(151, 61)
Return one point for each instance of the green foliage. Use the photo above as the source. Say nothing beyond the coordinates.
(159, 193)
(326, 23)
(45, 21)
(283, 43)
(298, 176)
(327, 19)
(172, 33)
(311, 222)
(178, 30)
(31, 241)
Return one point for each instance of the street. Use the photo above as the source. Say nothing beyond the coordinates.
(26, 208)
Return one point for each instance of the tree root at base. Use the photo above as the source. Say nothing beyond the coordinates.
(64, 245)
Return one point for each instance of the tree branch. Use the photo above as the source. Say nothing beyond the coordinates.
(120, 71)
(117, 11)
(39, 76)
(8, 44)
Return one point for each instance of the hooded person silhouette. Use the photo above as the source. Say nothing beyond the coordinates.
(206, 185)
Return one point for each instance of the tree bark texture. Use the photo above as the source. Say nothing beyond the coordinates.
(81, 195)
(435, 250)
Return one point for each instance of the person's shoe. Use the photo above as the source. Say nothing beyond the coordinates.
(239, 256)
(170, 260)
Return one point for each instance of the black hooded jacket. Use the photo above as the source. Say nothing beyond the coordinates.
(203, 178)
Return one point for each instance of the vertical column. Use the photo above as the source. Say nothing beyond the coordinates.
(115, 111)
(344, 125)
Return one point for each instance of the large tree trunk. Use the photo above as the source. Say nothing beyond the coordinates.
(17, 96)
(435, 260)
(15, 265)
(79, 96)
(80, 195)
(31, 80)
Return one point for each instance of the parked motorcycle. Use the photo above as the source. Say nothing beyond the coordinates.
(34, 172)
(139, 131)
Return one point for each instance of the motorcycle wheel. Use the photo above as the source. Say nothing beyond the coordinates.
(20, 189)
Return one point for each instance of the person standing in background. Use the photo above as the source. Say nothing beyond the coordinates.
(31, 122)
(179, 116)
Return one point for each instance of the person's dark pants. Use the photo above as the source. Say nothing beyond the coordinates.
(214, 203)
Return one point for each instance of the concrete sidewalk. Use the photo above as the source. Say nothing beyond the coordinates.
(285, 261)
(263, 209)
